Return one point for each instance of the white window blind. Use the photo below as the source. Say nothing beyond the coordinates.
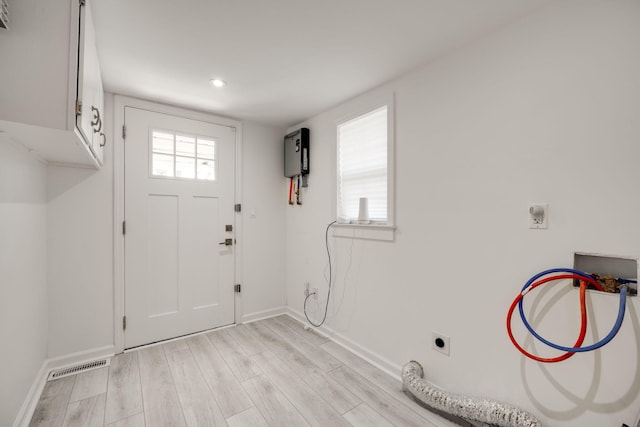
(362, 165)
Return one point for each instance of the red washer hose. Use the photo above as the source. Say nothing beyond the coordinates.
(583, 315)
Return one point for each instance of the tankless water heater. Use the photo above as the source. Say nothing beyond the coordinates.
(296, 153)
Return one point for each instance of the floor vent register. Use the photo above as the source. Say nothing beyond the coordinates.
(72, 370)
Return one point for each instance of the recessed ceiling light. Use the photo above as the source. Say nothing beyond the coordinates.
(218, 82)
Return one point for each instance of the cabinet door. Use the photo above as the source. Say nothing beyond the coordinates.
(90, 120)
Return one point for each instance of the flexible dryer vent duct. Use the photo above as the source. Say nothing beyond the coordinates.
(469, 408)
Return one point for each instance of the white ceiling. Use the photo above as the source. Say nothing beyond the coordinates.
(284, 60)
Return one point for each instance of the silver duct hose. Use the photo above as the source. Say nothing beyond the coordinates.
(469, 408)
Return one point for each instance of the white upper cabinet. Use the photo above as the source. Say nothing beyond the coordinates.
(51, 97)
(90, 93)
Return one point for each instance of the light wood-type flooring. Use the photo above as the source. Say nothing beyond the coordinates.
(267, 373)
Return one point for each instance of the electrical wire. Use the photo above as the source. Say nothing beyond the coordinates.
(349, 263)
(602, 342)
(326, 306)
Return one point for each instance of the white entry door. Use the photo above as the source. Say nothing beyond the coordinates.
(179, 214)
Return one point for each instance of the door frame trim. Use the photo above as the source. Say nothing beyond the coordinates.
(120, 102)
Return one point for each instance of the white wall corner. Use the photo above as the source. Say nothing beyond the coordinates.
(264, 314)
(81, 357)
(390, 368)
(31, 401)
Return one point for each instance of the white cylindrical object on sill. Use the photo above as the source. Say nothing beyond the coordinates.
(363, 211)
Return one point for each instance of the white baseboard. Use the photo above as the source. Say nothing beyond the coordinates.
(393, 369)
(264, 314)
(81, 357)
(31, 401)
(29, 405)
(375, 359)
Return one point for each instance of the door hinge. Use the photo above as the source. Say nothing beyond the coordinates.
(238, 207)
(124, 227)
(78, 107)
(124, 132)
(124, 323)
(237, 288)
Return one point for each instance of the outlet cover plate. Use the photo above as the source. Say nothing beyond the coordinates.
(537, 222)
(440, 342)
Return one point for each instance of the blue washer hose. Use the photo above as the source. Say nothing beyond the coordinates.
(602, 342)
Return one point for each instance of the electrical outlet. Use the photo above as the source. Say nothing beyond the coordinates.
(538, 215)
(440, 343)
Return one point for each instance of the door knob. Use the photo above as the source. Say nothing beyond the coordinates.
(227, 242)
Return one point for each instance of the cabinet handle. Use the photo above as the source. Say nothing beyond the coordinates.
(97, 121)
(104, 140)
(96, 116)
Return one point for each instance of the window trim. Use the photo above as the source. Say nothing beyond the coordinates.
(364, 231)
(150, 153)
(375, 230)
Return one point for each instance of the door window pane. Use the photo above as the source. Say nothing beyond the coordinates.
(185, 146)
(162, 142)
(182, 156)
(206, 149)
(162, 165)
(206, 169)
(185, 167)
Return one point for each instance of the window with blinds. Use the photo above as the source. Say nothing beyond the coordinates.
(363, 166)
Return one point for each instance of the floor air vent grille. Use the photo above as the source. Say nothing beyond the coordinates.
(72, 370)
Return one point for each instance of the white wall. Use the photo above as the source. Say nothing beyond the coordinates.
(56, 264)
(263, 225)
(80, 254)
(23, 274)
(545, 110)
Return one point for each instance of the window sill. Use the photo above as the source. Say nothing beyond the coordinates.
(364, 231)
